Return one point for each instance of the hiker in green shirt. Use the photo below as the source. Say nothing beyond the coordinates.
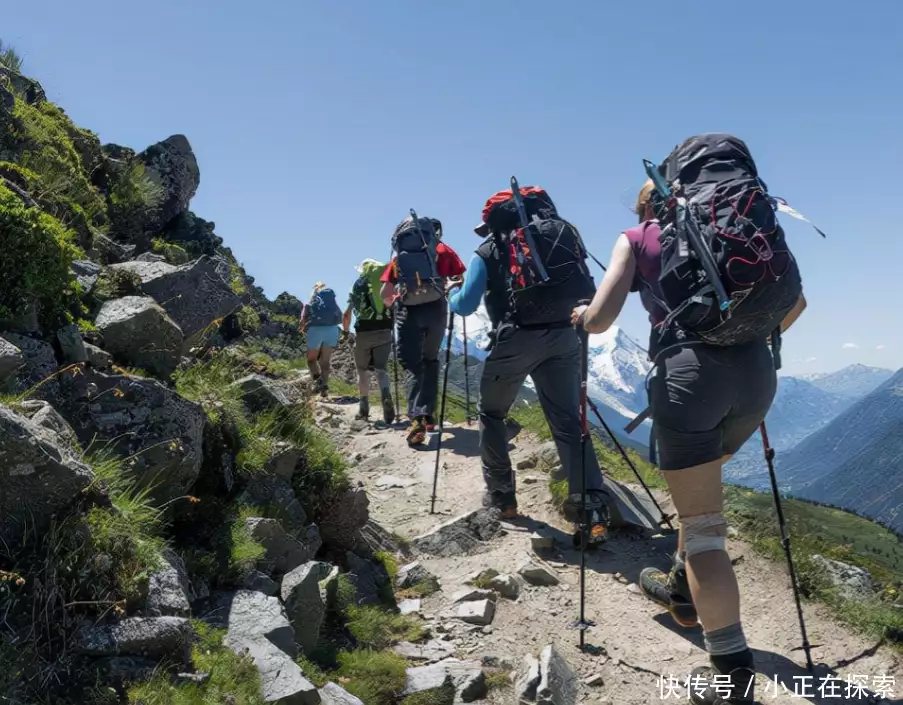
(372, 337)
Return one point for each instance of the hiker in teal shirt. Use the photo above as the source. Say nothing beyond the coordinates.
(320, 320)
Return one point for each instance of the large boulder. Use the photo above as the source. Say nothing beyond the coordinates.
(155, 637)
(260, 393)
(277, 495)
(284, 552)
(86, 273)
(38, 476)
(371, 582)
(197, 232)
(26, 87)
(35, 375)
(11, 359)
(305, 602)
(282, 681)
(138, 332)
(342, 523)
(194, 294)
(52, 427)
(172, 165)
(158, 431)
(168, 589)
(253, 616)
(850, 581)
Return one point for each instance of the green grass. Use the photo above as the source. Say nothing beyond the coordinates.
(233, 679)
(424, 588)
(444, 695)
(376, 677)
(244, 550)
(485, 578)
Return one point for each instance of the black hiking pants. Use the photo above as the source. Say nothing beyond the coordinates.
(421, 329)
(552, 359)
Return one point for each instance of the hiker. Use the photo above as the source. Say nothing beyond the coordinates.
(705, 402)
(320, 319)
(414, 282)
(534, 337)
(373, 323)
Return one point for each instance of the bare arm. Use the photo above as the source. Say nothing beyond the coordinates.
(795, 313)
(346, 318)
(612, 292)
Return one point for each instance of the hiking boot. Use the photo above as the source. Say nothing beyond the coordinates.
(707, 687)
(388, 411)
(671, 591)
(324, 388)
(363, 413)
(417, 432)
(576, 512)
(507, 505)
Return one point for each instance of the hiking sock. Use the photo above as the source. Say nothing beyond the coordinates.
(363, 409)
(724, 642)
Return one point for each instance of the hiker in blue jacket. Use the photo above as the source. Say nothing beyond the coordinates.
(320, 319)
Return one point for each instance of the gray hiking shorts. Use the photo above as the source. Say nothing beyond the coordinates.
(706, 402)
(372, 349)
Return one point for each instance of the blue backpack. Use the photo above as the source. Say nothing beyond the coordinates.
(414, 244)
(324, 311)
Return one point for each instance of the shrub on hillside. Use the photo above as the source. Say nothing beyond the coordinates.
(35, 254)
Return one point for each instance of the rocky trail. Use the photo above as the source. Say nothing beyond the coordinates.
(637, 655)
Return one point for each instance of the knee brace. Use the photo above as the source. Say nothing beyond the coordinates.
(707, 532)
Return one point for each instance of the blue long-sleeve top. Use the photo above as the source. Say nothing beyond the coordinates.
(464, 300)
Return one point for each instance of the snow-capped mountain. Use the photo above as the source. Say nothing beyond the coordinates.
(478, 327)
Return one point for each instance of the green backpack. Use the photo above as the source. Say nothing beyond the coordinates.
(365, 298)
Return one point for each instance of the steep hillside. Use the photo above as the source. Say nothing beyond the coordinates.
(855, 461)
(852, 381)
(800, 408)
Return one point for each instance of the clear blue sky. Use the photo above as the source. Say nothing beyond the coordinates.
(317, 125)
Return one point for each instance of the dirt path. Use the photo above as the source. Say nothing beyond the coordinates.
(640, 647)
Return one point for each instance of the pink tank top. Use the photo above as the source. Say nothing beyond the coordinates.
(647, 252)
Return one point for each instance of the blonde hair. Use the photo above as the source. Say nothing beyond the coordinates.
(317, 287)
(644, 196)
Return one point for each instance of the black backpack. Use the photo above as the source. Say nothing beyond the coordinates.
(414, 244)
(727, 276)
(546, 272)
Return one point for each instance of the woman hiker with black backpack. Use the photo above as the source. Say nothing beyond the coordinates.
(320, 319)
(706, 396)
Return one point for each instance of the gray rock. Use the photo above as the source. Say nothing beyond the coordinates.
(305, 605)
(470, 594)
(526, 685)
(332, 694)
(506, 585)
(852, 582)
(71, 344)
(537, 574)
(259, 582)
(527, 463)
(138, 332)
(37, 370)
(342, 523)
(412, 574)
(557, 685)
(372, 584)
(281, 679)
(29, 89)
(277, 495)
(284, 461)
(409, 606)
(86, 273)
(54, 428)
(259, 393)
(150, 257)
(97, 358)
(546, 455)
(38, 475)
(168, 589)
(253, 616)
(284, 553)
(172, 165)
(432, 651)
(160, 432)
(153, 637)
(464, 534)
(128, 669)
(465, 679)
(539, 543)
(108, 251)
(478, 612)
(193, 294)
(11, 359)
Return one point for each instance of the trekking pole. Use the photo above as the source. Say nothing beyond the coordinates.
(665, 518)
(451, 326)
(466, 374)
(583, 623)
(395, 368)
(785, 543)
